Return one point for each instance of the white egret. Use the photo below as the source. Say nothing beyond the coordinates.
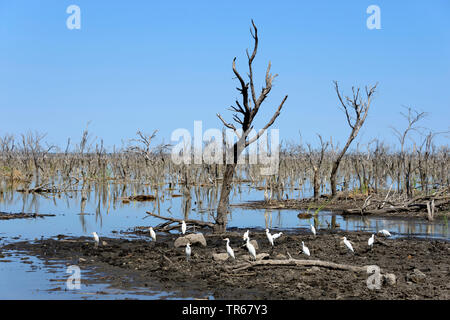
(96, 238)
(229, 249)
(188, 251)
(246, 235)
(313, 230)
(277, 235)
(305, 249)
(371, 240)
(269, 236)
(152, 233)
(251, 248)
(385, 233)
(348, 244)
(183, 227)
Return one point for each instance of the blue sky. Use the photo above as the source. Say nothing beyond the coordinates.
(146, 65)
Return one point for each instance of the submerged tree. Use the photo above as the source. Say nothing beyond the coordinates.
(360, 110)
(405, 161)
(316, 161)
(245, 114)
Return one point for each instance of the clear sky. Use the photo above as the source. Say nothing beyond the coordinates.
(145, 65)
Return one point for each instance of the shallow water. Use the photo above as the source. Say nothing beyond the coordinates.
(35, 279)
(101, 210)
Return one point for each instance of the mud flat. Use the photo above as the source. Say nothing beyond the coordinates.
(411, 268)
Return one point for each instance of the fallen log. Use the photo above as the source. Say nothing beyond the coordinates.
(410, 207)
(389, 278)
(297, 262)
(188, 221)
(140, 197)
(374, 211)
(22, 215)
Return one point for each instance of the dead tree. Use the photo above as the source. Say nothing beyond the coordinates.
(247, 110)
(317, 164)
(413, 118)
(360, 109)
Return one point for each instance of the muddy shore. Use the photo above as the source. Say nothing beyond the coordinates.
(421, 267)
(342, 206)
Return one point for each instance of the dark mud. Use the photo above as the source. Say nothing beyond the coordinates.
(421, 267)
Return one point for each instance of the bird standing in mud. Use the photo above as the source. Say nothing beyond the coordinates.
(313, 230)
(305, 249)
(229, 249)
(269, 237)
(371, 240)
(152, 233)
(246, 235)
(251, 249)
(96, 238)
(348, 244)
(277, 235)
(385, 233)
(183, 227)
(188, 251)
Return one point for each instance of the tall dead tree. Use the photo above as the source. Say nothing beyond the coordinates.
(404, 169)
(355, 120)
(246, 111)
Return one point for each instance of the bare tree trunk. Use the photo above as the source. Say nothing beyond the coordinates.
(316, 165)
(222, 208)
(247, 113)
(316, 184)
(360, 109)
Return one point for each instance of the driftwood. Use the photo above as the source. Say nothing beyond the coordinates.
(140, 197)
(44, 189)
(417, 204)
(413, 207)
(297, 262)
(8, 216)
(172, 220)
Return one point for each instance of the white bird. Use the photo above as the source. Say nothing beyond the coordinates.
(229, 249)
(183, 227)
(305, 249)
(152, 233)
(348, 244)
(371, 240)
(188, 251)
(96, 238)
(313, 230)
(246, 235)
(251, 248)
(269, 236)
(385, 233)
(277, 235)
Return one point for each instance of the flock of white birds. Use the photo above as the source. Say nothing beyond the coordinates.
(251, 248)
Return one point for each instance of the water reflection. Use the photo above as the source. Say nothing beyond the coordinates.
(104, 206)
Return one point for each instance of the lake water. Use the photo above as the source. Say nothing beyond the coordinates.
(102, 210)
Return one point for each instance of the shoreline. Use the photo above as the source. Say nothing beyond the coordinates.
(421, 266)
